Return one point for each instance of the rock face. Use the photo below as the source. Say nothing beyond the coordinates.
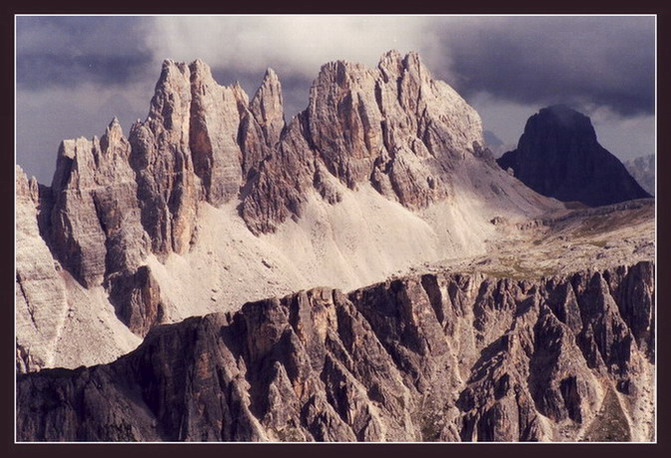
(448, 357)
(393, 127)
(58, 321)
(96, 230)
(643, 170)
(558, 155)
(40, 293)
(95, 218)
(214, 201)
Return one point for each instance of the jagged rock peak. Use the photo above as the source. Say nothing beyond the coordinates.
(270, 75)
(94, 220)
(395, 63)
(267, 106)
(26, 187)
(391, 55)
(86, 159)
(392, 127)
(199, 66)
(114, 129)
(270, 85)
(388, 60)
(21, 176)
(170, 70)
(198, 69)
(390, 63)
(113, 139)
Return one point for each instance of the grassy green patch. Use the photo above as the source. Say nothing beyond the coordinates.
(512, 268)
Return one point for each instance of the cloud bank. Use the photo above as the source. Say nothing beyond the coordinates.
(73, 72)
(297, 45)
(589, 61)
(69, 51)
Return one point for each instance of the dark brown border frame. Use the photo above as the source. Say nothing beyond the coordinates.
(7, 345)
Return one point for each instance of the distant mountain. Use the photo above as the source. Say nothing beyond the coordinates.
(643, 170)
(558, 155)
(494, 143)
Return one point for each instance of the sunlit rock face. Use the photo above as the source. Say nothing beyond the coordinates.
(117, 204)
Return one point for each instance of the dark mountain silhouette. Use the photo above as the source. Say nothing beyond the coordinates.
(558, 155)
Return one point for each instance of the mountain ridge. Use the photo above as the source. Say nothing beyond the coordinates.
(642, 169)
(387, 161)
(429, 357)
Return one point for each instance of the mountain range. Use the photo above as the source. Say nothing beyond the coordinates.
(363, 271)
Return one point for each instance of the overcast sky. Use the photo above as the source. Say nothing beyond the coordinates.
(75, 73)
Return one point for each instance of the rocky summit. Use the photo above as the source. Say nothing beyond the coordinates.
(208, 276)
(558, 155)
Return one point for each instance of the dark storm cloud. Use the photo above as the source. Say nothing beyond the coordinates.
(35, 71)
(603, 61)
(75, 73)
(68, 51)
(296, 91)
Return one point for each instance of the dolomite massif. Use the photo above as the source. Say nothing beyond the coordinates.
(213, 208)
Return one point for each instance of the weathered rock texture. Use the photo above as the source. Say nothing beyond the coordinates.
(435, 357)
(558, 155)
(58, 321)
(96, 230)
(393, 127)
(117, 204)
(40, 293)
